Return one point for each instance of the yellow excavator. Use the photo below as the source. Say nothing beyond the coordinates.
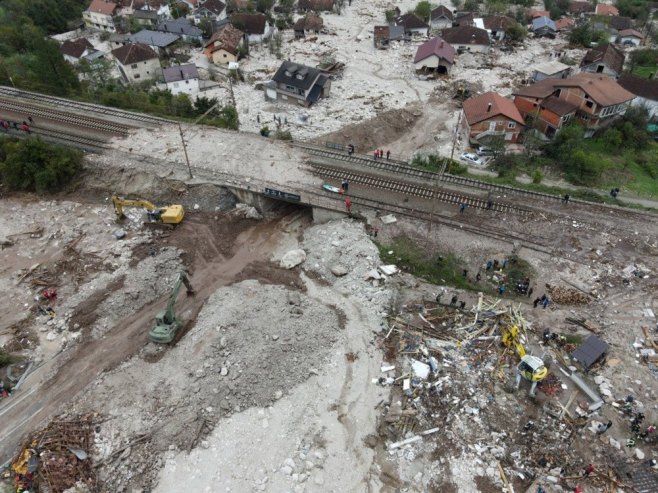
(531, 368)
(170, 214)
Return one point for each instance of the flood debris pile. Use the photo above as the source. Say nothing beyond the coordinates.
(57, 458)
(463, 389)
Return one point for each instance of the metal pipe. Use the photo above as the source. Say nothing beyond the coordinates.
(597, 402)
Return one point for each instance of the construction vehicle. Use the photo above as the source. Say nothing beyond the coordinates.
(530, 368)
(170, 214)
(166, 322)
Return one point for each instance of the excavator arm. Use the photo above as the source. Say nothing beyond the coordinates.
(171, 214)
(166, 323)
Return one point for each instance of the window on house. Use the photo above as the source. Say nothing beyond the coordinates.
(589, 104)
(511, 124)
(134, 65)
(492, 126)
(291, 88)
(137, 76)
(509, 135)
(599, 69)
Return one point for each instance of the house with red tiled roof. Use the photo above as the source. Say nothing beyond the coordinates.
(606, 60)
(630, 37)
(579, 7)
(435, 55)
(592, 100)
(534, 13)
(495, 25)
(490, 115)
(223, 47)
(645, 90)
(101, 14)
(441, 17)
(564, 23)
(606, 9)
(467, 38)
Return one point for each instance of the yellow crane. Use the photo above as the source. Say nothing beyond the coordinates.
(530, 368)
(170, 214)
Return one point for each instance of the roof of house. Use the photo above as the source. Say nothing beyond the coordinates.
(410, 21)
(464, 19)
(606, 9)
(180, 72)
(465, 35)
(578, 7)
(550, 68)
(390, 33)
(603, 90)
(76, 48)
(607, 54)
(488, 105)
(133, 53)
(541, 89)
(631, 33)
(180, 26)
(538, 13)
(441, 11)
(435, 46)
(145, 14)
(620, 23)
(102, 7)
(214, 6)
(644, 88)
(118, 38)
(564, 23)
(316, 4)
(558, 106)
(541, 22)
(154, 38)
(310, 22)
(228, 38)
(253, 23)
(296, 75)
(498, 22)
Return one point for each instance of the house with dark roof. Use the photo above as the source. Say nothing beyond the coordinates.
(413, 25)
(223, 47)
(599, 100)
(543, 26)
(645, 91)
(102, 15)
(157, 40)
(311, 22)
(467, 38)
(181, 27)
(606, 60)
(75, 50)
(464, 19)
(182, 79)
(620, 23)
(137, 62)
(255, 26)
(441, 17)
(384, 35)
(435, 55)
(495, 25)
(148, 18)
(489, 116)
(297, 84)
(315, 5)
(630, 37)
(213, 10)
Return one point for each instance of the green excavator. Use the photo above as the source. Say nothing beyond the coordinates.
(166, 323)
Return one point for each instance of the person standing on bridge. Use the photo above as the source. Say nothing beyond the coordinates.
(462, 208)
(388, 155)
(345, 185)
(348, 205)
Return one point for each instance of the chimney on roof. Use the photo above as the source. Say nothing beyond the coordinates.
(488, 107)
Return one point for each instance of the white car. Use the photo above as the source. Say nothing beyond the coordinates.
(472, 159)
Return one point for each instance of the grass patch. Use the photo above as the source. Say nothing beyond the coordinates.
(6, 359)
(409, 257)
(644, 71)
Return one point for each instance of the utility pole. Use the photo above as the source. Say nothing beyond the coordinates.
(187, 159)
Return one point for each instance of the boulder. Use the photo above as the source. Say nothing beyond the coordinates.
(293, 258)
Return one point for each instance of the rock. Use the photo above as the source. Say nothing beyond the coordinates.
(294, 298)
(614, 443)
(287, 470)
(339, 270)
(290, 462)
(51, 336)
(275, 337)
(199, 373)
(319, 478)
(278, 394)
(224, 371)
(205, 444)
(639, 454)
(293, 258)
(252, 213)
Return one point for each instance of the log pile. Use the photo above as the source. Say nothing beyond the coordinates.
(566, 296)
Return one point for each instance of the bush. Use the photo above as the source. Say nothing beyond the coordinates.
(537, 177)
(33, 166)
(265, 131)
(5, 358)
(283, 135)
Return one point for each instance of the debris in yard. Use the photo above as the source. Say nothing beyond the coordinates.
(388, 219)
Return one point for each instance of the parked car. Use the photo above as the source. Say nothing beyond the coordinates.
(472, 159)
(484, 151)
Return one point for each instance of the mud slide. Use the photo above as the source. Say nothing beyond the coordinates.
(38, 401)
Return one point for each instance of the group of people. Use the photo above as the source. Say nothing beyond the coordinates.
(25, 127)
(543, 300)
(379, 154)
(344, 187)
(614, 192)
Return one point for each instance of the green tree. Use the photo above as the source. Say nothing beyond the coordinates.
(581, 35)
(33, 166)
(566, 142)
(423, 10)
(582, 168)
(471, 5)
(206, 26)
(264, 5)
(516, 32)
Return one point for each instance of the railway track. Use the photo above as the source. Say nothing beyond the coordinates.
(61, 116)
(77, 105)
(414, 190)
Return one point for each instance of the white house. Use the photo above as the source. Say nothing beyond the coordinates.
(137, 62)
(74, 50)
(441, 17)
(645, 90)
(182, 79)
(630, 37)
(101, 15)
